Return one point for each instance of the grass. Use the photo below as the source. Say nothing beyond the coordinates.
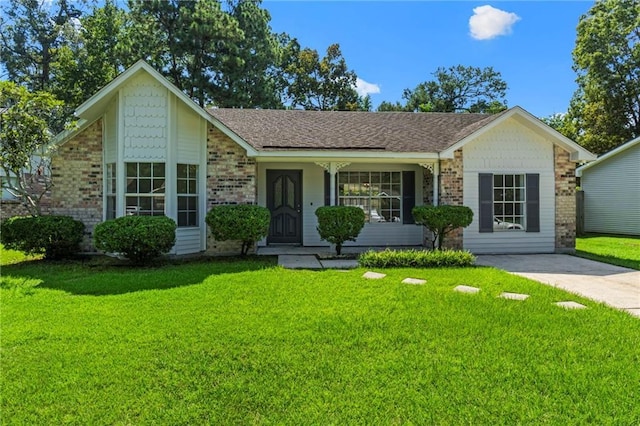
(613, 249)
(245, 342)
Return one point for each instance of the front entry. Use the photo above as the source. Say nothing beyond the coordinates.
(284, 201)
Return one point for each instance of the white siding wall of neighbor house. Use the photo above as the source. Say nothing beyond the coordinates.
(157, 127)
(612, 194)
(374, 234)
(511, 148)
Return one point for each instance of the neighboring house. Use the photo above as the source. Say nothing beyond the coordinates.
(611, 186)
(143, 147)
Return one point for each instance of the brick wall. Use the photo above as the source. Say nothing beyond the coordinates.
(231, 179)
(77, 178)
(450, 193)
(10, 208)
(565, 195)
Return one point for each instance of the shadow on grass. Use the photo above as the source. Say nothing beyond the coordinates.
(612, 260)
(100, 276)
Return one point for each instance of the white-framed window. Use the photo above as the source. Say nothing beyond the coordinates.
(110, 192)
(145, 189)
(187, 191)
(509, 202)
(379, 194)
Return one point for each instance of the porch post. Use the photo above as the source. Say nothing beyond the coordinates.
(436, 181)
(332, 168)
(434, 168)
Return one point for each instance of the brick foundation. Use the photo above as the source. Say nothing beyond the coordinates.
(231, 179)
(77, 177)
(565, 198)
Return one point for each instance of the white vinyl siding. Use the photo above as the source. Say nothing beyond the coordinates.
(373, 234)
(612, 194)
(511, 149)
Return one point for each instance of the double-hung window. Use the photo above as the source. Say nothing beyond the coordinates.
(509, 202)
(187, 190)
(145, 194)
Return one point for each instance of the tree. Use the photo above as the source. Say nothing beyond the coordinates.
(606, 106)
(321, 84)
(94, 58)
(254, 79)
(459, 89)
(26, 142)
(32, 34)
(190, 42)
(442, 220)
(563, 123)
(386, 106)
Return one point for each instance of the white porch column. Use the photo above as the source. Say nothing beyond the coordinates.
(332, 167)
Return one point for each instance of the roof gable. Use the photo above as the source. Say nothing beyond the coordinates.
(578, 153)
(614, 152)
(94, 107)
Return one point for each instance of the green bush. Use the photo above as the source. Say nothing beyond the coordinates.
(416, 259)
(57, 237)
(441, 220)
(337, 224)
(138, 238)
(244, 222)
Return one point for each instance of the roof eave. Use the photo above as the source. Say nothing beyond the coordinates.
(612, 153)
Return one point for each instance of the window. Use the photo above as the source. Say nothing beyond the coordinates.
(379, 194)
(145, 189)
(7, 195)
(111, 191)
(187, 190)
(509, 202)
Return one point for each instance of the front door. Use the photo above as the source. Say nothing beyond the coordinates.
(284, 200)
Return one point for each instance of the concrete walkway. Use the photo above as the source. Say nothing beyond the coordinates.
(613, 285)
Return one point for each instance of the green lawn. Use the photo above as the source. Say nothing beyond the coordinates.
(614, 249)
(245, 342)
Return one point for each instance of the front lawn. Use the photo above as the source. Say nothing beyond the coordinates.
(614, 249)
(245, 342)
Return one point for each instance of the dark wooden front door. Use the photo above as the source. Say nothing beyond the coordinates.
(284, 200)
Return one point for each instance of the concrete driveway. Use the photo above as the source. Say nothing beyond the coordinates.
(613, 285)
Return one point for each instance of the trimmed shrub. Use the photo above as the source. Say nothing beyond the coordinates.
(138, 238)
(57, 237)
(337, 224)
(441, 220)
(416, 259)
(244, 222)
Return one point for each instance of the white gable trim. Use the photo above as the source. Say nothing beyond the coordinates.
(92, 109)
(609, 154)
(578, 153)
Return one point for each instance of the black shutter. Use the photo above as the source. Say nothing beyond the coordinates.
(533, 202)
(327, 190)
(486, 201)
(408, 195)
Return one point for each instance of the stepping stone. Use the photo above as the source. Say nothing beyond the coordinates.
(514, 296)
(570, 305)
(373, 275)
(414, 281)
(467, 289)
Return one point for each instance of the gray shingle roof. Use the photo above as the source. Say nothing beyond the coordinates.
(341, 130)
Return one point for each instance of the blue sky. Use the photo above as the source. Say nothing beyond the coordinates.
(394, 45)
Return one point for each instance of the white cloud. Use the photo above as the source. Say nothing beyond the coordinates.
(365, 88)
(488, 22)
